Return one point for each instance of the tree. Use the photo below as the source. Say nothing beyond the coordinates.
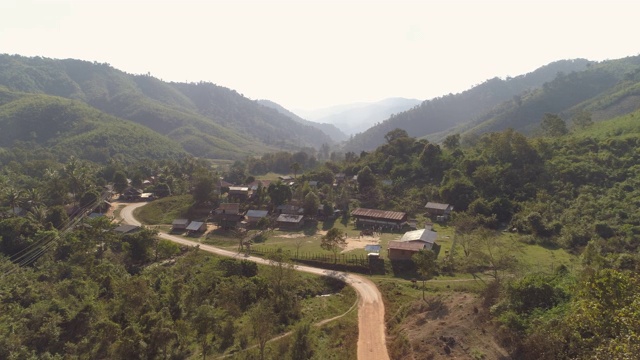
(120, 181)
(311, 204)
(334, 241)
(204, 323)
(262, 322)
(394, 134)
(552, 125)
(425, 261)
(452, 142)
(302, 346)
(366, 178)
(295, 167)
(279, 193)
(582, 119)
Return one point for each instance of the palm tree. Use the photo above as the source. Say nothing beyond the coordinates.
(13, 197)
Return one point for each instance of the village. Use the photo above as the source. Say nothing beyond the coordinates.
(240, 220)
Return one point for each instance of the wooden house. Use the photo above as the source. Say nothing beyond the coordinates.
(253, 216)
(179, 225)
(239, 193)
(378, 219)
(438, 209)
(290, 222)
(228, 215)
(412, 242)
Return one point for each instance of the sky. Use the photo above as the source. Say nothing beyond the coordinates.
(316, 54)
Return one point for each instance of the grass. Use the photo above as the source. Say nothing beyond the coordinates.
(165, 210)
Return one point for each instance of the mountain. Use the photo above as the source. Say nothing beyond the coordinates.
(329, 129)
(447, 112)
(605, 90)
(70, 127)
(358, 117)
(205, 119)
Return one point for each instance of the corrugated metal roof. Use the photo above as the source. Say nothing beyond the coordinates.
(180, 222)
(290, 218)
(380, 214)
(422, 235)
(436, 206)
(257, 213)
(195, 226)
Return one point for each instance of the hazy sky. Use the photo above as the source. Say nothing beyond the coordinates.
(311, 54)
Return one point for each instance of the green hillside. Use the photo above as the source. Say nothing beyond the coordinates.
(606, 89)
(206, 119)
(447, 112)
(69, 127)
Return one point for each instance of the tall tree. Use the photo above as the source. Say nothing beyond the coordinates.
(425, 261)
(263, 324)
(334, 241)
(553, 125)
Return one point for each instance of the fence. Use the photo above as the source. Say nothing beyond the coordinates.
(343, 262)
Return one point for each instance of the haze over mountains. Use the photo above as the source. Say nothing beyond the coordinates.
(72, 99)
(358, 117)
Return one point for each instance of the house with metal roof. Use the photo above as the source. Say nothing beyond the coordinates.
(195, 227)
(382, 219)
(291, 222)
(412, 242)
(438, 209)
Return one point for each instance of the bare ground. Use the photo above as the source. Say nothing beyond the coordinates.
(450, 326)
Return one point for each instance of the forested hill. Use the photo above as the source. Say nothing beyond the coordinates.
(443, 113)
(71, 128)
(329, 129)
(604, 90)
(205, 119)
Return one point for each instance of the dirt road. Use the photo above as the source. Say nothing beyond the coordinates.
(371, 329)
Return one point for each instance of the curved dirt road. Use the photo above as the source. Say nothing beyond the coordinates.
(371, 329)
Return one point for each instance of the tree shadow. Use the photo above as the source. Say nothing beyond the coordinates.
(310, 229)
(328, 223)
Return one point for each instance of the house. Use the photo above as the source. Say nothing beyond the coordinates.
(147, 196)
(253, 216)
(438, 209)
(286, 178)
(340, 178)
(228, 215)
(179, 225)
(412, 242)
(313, 183)
(380, 219)
(127, 229)
(398, 250)
(239, 193)
(289, 209)
(227, 208)
(131, 194)
(253, 186)
(196, 227)
(291, 222)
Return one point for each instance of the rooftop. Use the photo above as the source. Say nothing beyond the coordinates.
(426, 235)
(380, 214)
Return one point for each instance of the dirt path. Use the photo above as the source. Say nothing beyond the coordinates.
(371, 327)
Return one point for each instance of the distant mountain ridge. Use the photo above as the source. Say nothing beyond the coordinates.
(329, 129)
(205, 119)
(448, 112)
(358, 117)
